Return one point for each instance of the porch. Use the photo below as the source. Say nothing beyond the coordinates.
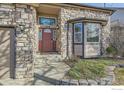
(48, 30)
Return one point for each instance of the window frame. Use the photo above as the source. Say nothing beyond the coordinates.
(78, 32)
(48, 18)
(100, 29)
(40, 37)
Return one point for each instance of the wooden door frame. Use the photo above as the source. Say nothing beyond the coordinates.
(12, 50)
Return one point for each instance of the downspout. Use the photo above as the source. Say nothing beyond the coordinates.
(13, 73)
(101, 43)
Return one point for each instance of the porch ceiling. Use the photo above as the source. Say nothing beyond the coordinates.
(48, 10)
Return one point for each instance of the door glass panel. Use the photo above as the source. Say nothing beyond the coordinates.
(40, 35)
(54, 35)
(78, 33)
(47, 30)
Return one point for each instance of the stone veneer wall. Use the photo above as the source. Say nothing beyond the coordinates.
(23, 17)
(105, 37)
(72, 13)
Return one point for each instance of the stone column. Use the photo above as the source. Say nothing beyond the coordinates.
(25, 41)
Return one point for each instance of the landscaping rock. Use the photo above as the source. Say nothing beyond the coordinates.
(74, 82)
(58, 82)
(83, 82)
(109, 83)
(120, 65)
(107, 80)
(92, 82)
(103, 81)
(65, 82)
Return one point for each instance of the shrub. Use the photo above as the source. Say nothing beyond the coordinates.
(111, 50)
(87, 70)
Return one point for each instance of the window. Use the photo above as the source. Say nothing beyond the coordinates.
(93, 31)
(40, 35)
(47, 21)
(78, 33)
(54, 35)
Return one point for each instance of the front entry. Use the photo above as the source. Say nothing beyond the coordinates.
(6, 53)
(46, 40)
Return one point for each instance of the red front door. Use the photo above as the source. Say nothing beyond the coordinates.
(47, 41)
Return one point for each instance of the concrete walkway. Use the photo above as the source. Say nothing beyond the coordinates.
(50, 72)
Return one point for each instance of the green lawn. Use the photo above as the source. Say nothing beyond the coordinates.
(119, 73)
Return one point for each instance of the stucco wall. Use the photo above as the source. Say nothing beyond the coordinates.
(23, 17)
(72, 13)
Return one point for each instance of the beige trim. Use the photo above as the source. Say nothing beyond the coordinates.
(75, 5)
(47, 15)
(32, 4)
(60, 5)
(88, 20)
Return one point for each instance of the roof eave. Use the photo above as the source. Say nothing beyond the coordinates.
(97, 8)
(110, 11)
